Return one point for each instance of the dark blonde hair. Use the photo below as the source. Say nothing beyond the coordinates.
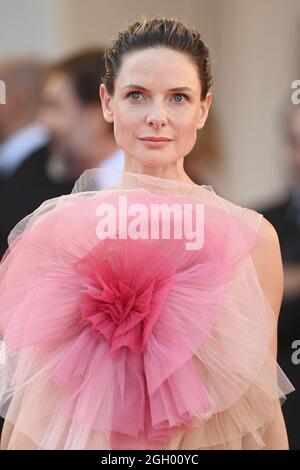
(160, 31)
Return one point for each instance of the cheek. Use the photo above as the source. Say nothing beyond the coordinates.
(126, 124)
(187, 131)
(187, 134)
(188, 121)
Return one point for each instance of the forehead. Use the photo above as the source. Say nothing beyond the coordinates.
(161, 66)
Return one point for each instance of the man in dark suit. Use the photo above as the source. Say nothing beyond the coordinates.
(24, 147)
(25, 190)
(285, 217)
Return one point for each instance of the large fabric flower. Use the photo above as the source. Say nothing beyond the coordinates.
(121, 299)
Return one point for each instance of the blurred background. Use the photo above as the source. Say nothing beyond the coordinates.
(249, 150)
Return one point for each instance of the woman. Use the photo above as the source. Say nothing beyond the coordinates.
(117, 337)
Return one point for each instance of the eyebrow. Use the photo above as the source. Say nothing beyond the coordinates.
(180, 88)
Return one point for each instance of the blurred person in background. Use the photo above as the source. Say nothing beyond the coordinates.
(24, 146)
(285, 216)
(20, 134)
(80, 137)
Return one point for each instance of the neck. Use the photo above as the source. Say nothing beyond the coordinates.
(172, 171)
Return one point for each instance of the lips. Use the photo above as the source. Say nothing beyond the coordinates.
(156, 139)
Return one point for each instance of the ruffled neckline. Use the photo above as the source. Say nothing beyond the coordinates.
(89, 181)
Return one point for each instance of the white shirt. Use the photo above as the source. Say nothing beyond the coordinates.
(15, 149)
(114, 160)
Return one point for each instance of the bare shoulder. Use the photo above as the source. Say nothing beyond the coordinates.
(268, 252)
(268, 263)
(269, 233)
(266, 229)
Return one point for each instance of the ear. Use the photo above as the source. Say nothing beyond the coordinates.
(106, 102)
(203, 111)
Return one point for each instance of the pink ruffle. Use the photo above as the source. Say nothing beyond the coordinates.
(113, 327)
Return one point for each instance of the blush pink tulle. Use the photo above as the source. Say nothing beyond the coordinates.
(121, 343)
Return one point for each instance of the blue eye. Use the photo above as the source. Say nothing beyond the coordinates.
(180, 94)
(134, 93)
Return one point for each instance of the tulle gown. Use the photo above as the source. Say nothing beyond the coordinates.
(124, 327)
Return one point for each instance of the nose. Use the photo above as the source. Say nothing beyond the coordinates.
(157, 118)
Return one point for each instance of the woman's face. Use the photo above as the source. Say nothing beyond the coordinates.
(157, 94)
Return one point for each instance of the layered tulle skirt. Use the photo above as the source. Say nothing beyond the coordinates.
(133, 318)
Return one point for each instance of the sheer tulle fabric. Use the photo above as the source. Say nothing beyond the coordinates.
(135, 343)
